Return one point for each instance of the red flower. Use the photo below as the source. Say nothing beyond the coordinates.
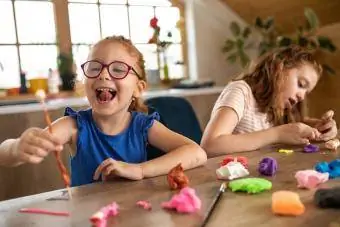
(153, 22)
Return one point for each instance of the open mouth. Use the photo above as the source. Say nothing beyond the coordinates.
(105, 95)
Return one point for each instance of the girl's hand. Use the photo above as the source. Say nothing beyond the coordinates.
(111, 168)
(297, 133)
(35, 144)
(327, 126)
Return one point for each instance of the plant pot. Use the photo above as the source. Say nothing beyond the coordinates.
(68, 82)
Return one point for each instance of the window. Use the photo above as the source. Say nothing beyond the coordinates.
(28, 40)
(22, 46)
(130, 18)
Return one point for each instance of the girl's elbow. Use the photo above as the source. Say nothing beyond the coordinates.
(201, 155)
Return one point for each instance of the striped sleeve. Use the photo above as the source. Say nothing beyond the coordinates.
(234, 96)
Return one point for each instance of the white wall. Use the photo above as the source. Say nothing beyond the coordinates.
(208, 27)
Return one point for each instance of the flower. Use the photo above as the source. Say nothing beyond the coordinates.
(153, 22)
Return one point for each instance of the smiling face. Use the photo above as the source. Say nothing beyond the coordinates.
(299, 81)
(108, 95)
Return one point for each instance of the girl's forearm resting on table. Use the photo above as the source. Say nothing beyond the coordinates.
(189, 156)
(224, 144)
(8, 153)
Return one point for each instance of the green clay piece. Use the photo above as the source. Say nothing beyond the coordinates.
(250, 185)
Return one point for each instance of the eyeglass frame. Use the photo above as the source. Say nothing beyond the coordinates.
(107, 67)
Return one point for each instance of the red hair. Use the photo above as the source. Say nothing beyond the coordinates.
(137, 104)
(267, 76)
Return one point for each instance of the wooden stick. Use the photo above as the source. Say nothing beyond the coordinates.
(41, 95)
(213, 205)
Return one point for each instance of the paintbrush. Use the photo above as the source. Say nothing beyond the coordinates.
(213, 204)
(41, 95)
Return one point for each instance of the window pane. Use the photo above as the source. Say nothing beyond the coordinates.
(167, 19)
(35, 22)
(149, 54)
(84, 23)
(7, 23)
(9, 72)
(36, 60)
(174, 56)
(113, 1)
(114, 20)
(80, 53)
(140, 17)
(150, 2)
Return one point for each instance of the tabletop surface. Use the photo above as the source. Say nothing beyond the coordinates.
(234, 209)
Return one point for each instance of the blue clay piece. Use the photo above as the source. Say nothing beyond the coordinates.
(333, 168)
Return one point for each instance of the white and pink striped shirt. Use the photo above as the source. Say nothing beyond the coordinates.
(238, 96)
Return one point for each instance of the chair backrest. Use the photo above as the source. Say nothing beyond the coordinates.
(177, 114)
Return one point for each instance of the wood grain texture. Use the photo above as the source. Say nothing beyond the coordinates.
(234, 209)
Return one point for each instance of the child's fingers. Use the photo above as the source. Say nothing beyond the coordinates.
(101, 168)
(36, 151)
(30, 158)
(50, 137)
(328, 115)
(326, 126)
(42, 142)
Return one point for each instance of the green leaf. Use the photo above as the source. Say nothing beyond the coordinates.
(240, 44)
(312, 18)
(328, 69)
(235, 28)
(244, 59)
(326, 43)
(232, 58)
(258, 22)
(269, 23)
(246, 32)
(228, 45)
(284, 41)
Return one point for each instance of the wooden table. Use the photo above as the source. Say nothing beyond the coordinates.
(235, 209)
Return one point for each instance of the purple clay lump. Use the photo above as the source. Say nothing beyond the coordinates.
(268, 166)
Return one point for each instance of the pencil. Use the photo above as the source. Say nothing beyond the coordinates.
(213, 205)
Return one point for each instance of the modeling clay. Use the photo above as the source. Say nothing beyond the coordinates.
(285, 151)
(250, 185)
(311, 148)
(99, 219)
(328, 198)
(146, 205)
(231, 171)
(241, 159)
(287, 203)
(41, 211)
(186, 201)
(310, 178)
(268, 166)
(177, 179)
(333, 168)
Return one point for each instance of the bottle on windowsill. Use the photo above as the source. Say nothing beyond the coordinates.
(53, 82)
(23, 86)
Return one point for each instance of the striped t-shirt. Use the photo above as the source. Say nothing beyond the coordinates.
(238, 96)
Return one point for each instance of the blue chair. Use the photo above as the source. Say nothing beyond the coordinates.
(177, 114)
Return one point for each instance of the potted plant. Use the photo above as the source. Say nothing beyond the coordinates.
(305, 36)
(65, 67)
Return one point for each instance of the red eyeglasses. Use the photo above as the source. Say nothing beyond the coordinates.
(116, 69)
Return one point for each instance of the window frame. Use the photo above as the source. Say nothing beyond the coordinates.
(63, 34)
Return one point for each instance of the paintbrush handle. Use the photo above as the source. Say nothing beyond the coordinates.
(212, 207)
